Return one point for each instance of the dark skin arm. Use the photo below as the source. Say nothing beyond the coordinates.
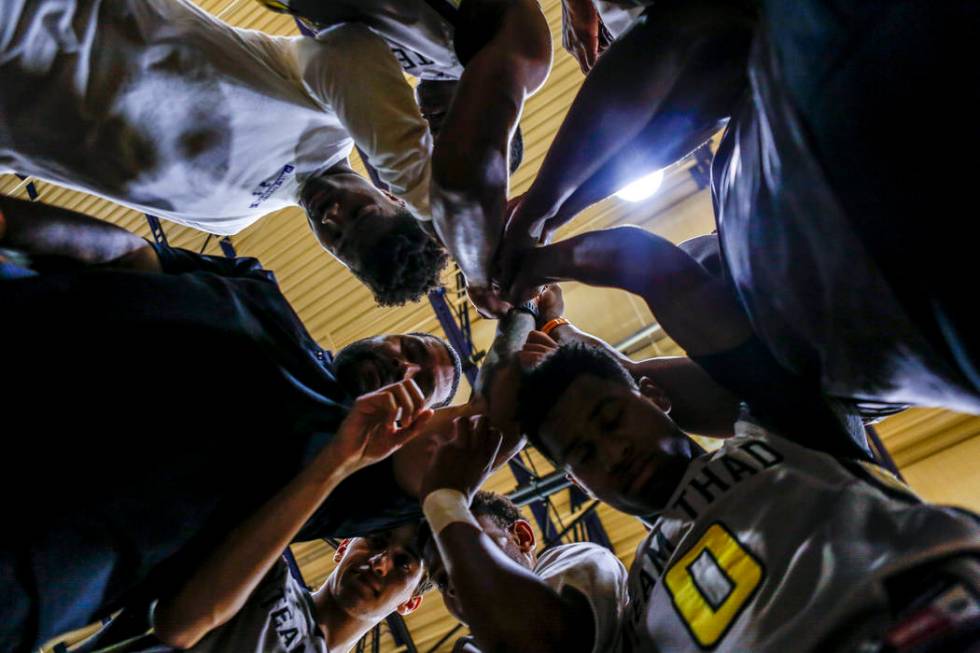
(654, 96)
(41, 230)
(495, 394)
(225, 581)
(470, 157)
(694, 308)
(498, 379)
(485, 579)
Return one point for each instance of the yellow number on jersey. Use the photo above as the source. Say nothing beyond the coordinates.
(712, 583)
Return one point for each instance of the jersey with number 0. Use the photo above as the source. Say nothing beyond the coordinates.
(420, 33)
(769, 546)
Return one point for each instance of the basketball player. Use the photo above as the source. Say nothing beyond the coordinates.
(772, 543)
(163, 108)
(500, 51)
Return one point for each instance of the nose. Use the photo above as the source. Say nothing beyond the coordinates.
(381, 563)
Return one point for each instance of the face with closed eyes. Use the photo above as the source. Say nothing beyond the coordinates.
(618, 443)
(378, 574)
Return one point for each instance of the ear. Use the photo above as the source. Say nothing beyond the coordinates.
(410, 606)
(341, 549)
(655, 393)
(524, 535)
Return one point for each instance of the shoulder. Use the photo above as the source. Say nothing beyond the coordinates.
(576, 553)
(346, 35)
(583, 565)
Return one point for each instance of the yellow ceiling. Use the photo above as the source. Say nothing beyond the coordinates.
(338, 310)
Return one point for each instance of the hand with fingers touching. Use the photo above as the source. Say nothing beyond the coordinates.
(490, 302)
(464, 462)
(538, 346)
(381, 422)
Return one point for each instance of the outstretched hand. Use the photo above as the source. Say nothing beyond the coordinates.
(380, 423)
(464, 462)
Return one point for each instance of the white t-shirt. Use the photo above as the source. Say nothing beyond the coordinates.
(767, 546)
(596, 574)
(278, 617)
(420, 33)
(161, 107)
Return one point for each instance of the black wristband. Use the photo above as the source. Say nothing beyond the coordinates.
(529, 307)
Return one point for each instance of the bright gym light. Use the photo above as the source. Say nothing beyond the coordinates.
(642, 188)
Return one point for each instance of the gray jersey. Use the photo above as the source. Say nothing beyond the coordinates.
(419, 33)
(769, 546)
(277, 618)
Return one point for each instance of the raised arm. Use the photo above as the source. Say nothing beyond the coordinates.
(223, 583)
(506, 47)
(694, 308)
(42, 230)
(655, 94)
(485, 580)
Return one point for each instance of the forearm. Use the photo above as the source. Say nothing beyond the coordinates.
(469, 171)
(222, 585)
(695, 309)
(44, 230)
(470, 157)
(486, 582)
(511, 335)
(605, 117)
(658, 146)
(684, 72)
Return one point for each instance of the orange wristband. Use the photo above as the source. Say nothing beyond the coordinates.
(551, 325)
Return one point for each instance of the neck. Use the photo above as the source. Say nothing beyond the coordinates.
(341, 629)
